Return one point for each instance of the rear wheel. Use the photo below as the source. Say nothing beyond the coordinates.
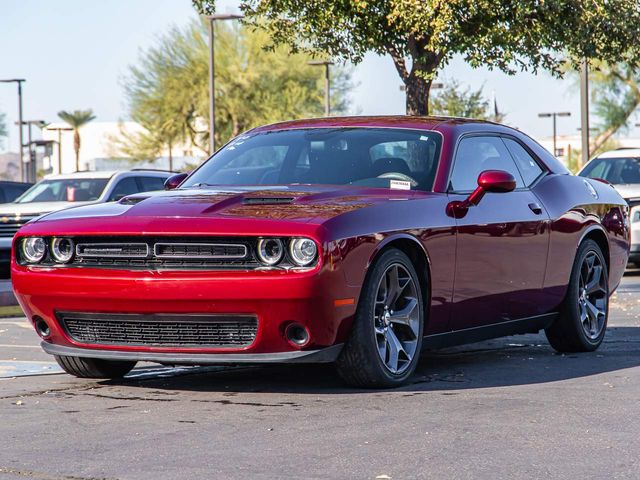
(386, 338)
(93, 367)
(582, 323)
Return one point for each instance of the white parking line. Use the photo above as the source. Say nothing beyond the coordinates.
(3, 345)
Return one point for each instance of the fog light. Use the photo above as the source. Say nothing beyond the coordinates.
(42, 328)
(62, 249)
(303, 251)
(270, 250)
(297, 334)
(33, 249)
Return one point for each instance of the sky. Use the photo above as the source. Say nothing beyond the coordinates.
(74, 54)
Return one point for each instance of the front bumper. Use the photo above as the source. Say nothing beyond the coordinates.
(324, 355)
(276, 298)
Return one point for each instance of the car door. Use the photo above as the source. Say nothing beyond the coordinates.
(502, 243)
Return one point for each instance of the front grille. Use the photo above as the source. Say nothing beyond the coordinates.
(9, 226)
(160, 330)
(165, 253)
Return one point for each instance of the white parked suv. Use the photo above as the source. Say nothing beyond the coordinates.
(622, 169)
(57, 192)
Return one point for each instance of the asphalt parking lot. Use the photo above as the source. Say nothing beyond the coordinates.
(508, 408)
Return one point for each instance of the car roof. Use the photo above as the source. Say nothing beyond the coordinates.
(381, 121)
(104, 174)
(621, 153)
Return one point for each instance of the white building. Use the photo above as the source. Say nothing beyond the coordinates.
(99, 149)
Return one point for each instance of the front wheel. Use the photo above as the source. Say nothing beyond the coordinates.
(386, 337)
(94, 367)
(583, 318)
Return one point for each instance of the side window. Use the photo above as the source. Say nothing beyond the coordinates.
(528, 167)
(124, 187)
(149, 184)
(477, 154)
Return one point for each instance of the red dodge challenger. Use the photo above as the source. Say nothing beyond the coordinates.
(358, 241)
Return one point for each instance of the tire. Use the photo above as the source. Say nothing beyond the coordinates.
(93, 367)
(380, 331)
(582, 322)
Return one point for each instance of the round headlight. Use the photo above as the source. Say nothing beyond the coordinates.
(62, 249)
(303, 251)
(33, 249)
(270, 250)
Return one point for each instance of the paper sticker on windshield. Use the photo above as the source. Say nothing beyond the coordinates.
(400, 185)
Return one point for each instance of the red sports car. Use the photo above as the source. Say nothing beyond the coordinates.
(359, 241)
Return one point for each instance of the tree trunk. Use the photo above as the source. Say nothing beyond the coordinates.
(170, 158)
(417, 89)
(76, 147)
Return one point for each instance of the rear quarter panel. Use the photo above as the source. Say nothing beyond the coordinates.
(576, 213)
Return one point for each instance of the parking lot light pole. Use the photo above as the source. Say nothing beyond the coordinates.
(19, 81)
(327, 83)
(212, 74)
(554, 115)
(59, 130)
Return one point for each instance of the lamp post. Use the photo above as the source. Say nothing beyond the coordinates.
(554, 115)
(60, 130)
(31, 172)
(327, 83)
(19, 81)
(212, 74)
(584, 110)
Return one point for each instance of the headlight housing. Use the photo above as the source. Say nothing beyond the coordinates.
(270, 250)
(303, 251)
(62, 249)
(34, 249)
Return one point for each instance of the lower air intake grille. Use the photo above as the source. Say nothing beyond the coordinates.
(160, 330)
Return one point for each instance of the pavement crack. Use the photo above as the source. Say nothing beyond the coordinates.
(20, 472)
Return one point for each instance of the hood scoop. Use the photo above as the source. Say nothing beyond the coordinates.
(132, 200)
(267, 200)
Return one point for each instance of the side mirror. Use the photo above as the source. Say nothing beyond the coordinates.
(174, 181)
(492, 181)
(489, 181)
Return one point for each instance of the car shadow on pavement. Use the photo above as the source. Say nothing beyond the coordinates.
(511, 361)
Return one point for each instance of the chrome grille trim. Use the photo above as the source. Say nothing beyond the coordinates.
(111, 250)
(161, 330)
(200, 250)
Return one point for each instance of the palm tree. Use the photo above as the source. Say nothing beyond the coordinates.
(77, 119)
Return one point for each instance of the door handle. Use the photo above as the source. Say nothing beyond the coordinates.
(535, 208)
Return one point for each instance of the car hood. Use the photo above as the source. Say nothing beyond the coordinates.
(628, 190)
(36, 208)
(300, 204)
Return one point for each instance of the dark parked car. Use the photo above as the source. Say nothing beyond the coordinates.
(9, 191)
(358, 240)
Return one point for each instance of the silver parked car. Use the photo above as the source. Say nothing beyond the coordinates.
(622, 169)
(57, 192)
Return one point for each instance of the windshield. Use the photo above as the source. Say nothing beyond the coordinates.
(375, 157)
(614, 170)
(67, 190)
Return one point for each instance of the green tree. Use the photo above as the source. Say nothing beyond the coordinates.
(76, 120)
(615, 95)
(168, 89)
(421, 36)
(455, 101)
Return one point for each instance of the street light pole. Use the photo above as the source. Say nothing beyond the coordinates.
(20, 139)
(584, 111)
(59, 130)
(212, 74)
(327, 83)
(554, 115)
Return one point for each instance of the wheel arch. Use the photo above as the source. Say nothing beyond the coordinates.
(598, 235)
(412, 248)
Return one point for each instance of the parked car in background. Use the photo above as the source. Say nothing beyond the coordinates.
(356, 240)
(9, 191)
(57, 192)
(621, 168)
